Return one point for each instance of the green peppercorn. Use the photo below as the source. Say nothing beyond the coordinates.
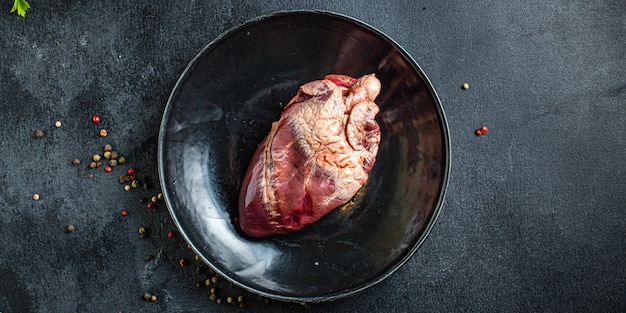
(134, 184)
(107, 154)
(122, 160)
(214, 279)
(142, 230)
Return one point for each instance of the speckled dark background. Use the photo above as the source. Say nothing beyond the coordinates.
(534, 219)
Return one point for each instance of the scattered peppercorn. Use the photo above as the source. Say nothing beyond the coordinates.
(90, 175)
(147, 296)
(96, 157)
(481, 131)
(154, 199)
(142, 230)
(212, 297)
(131, 171)
(465, 86)
(122, 160)
(38, 133)
(57, 124)
(197, 257)
(150, 205)
(113, 162)
(153, 298)
(229, 300)
(107, 154)
(170, 233)
(95, 119)
(188, 247)
(75, 162)
(127, 187)
(218, 301)
(214, 279)
(107, 147)
(124, 213)
(182, 263)
(70, 228)
(113, 154)
(36, 197)
(160, 196)
(108, 168)
(134, 184)
(240, 299)
(103, 133)
(207, 282)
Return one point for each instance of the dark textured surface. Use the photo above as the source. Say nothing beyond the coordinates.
(534, 217)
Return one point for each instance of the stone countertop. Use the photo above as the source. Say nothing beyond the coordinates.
(534, 214)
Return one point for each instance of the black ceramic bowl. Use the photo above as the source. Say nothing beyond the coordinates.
(222, 107)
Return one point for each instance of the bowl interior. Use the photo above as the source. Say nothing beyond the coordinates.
(223, 106)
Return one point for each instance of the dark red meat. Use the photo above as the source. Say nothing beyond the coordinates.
(315, 158)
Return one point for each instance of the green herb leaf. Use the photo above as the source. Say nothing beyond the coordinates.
(21, 6)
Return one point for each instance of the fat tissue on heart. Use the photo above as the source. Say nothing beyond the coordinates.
(315, 158)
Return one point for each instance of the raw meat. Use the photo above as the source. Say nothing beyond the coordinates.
(315, 158)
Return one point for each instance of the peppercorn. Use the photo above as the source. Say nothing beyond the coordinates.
(113, 162)
(103, 132)
(188, 247)
(38, 133)
(182, 263)
(70, 228)
(240, 299)
(36, 197)
(124, 213)
(170, 233)
(484, 129)
(107, 147)
(229, 299)
(134, 184)
(127, 187)
(154, 199)
(95, 119)
(478, 132)
(108, 168)
(465, 86)
(147, 296)
(218, 301)
(131, 171)
(150, 205)
(160, 196)
(75, 162)
(197, 257)
(142, 230)
(122, 160)
(107, 154)
(212, 297)
(96, 157)
(98, 164)
(207, 282)
(153, 298)
(57, 124)
(113, 154)
(214, 279)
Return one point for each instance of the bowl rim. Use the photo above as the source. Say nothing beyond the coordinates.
(444, 133)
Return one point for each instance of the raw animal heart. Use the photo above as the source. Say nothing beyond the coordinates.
(315, 158)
